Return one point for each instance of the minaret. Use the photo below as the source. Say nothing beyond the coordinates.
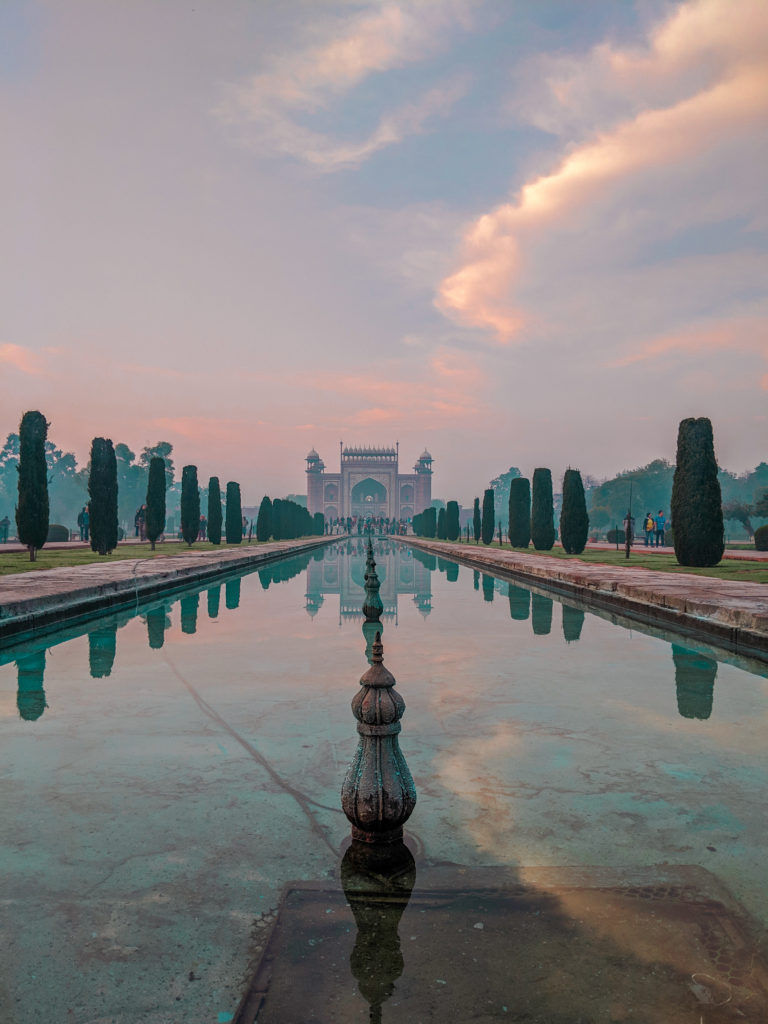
(315, 469)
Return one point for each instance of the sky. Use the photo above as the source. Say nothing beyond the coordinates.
(513, 232)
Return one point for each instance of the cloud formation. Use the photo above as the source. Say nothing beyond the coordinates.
(22, 359)
(276, 103)
(706, 69)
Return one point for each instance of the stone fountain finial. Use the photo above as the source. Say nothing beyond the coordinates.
(378, 794)
(372, 605)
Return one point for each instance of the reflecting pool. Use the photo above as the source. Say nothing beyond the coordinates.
(168, 771)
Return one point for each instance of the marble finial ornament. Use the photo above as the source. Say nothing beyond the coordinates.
(378, 794)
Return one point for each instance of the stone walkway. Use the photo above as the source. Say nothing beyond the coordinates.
(30, 600)
(732, 612)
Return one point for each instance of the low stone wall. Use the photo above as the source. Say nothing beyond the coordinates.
(30, 601)
(730, 612)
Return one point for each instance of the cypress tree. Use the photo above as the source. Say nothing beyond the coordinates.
(452, 524)
(487, 525)
(476, 520)
(277, 519)
(155, 499)
(264, 520)
(190, 504)
(416, 524)
(697, 508)
(442, 532)
(574, 521)
(32, 510)
(318, 521)
(214, 510)
(520, 512)
(102, 490)
(542, 511)
(430, 521)
(234, 526)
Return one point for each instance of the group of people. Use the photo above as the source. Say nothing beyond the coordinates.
(365, 524)
(654, 527)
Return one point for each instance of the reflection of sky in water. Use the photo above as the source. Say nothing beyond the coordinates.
(203, 742)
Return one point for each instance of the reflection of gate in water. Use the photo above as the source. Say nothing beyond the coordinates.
(342, 571)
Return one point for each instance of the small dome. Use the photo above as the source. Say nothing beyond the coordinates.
(424, 455)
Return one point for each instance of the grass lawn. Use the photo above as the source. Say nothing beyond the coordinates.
(743, 571)
(56, 558)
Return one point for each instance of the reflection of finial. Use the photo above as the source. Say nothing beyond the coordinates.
(372, 605)
(377, 655)
(378, 794)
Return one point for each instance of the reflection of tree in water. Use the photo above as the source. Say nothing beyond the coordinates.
(519, 603)
(695, 682)
(452, 572)
(232, 594)
(30, 698)
(475, 579)
(102, 646)
(282, 570)
(377, 882)
(487, 587)
(157, 623)
(541, 614)
(189, 607)
(573, 621)
(214, 601)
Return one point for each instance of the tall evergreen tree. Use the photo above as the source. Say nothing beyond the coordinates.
(264, 520)
(277, 519)
(190, 504)
(318, 524)
(477, 522)
(452, 524)
(442, 532)
(234, 526)
(102, 490)
(574, 521)
(155, 499)
(214, 510)
(520, 512)
(542, 511)
(697, 508)
(430, 521)
(416, 525)
(488, 521)
(32, 509)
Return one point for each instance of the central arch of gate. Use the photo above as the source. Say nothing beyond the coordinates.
(369, 497)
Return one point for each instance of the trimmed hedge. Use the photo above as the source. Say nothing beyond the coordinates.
(57, 532)
(697, 506)
(542, 511)
(761, 538)
(520, 512)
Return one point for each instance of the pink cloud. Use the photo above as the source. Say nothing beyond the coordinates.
(744, 334)
(22, 359)
(481, 292)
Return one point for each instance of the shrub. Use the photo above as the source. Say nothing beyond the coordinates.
(488, 520)
(32, 509)
(452, 524)
(616, 536)
(102, 490)
(697, 508)
(190, 504)
(542, 511)
(57, 532)
(214, 510)
(234, 525)
(520, 512)
(761, 538)
(574, 521)
(155, 499)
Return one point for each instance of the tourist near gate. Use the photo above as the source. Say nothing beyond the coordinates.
(369, 483)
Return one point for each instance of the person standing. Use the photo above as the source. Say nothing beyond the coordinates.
(86, 530)
(661, 525)
(5, 522)
(649, 525)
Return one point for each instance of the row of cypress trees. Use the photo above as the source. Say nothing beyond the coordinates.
(283, 519)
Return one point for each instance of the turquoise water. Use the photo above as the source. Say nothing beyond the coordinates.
(166, 773)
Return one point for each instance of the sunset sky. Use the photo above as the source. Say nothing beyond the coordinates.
(517, 232)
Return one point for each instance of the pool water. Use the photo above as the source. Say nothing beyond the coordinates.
(167, 771)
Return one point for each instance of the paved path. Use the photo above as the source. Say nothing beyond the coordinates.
(732, 612)
(30, 600)
(745, 555)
